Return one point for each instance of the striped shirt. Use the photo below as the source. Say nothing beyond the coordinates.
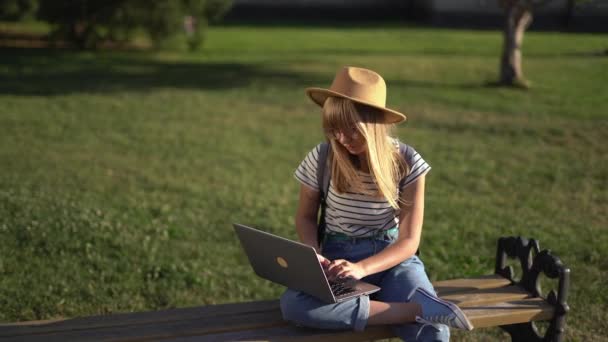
(355, 214)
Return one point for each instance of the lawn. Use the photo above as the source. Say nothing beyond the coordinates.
(121, 172)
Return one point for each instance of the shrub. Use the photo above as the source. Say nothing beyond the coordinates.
(88, 23)
(13, 10)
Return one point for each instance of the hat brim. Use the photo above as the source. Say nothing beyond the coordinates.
(319, 95)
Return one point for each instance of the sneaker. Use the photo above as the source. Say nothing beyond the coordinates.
(436, 310)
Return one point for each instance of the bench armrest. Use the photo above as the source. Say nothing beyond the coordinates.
(533, 262)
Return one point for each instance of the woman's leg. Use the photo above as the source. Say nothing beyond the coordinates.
(309, 311)
(402, 316)
(392, 313)
(397, 285)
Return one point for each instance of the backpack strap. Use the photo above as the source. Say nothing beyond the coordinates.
(403, 152)
(323, 178)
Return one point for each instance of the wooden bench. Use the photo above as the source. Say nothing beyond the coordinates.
(490, 300)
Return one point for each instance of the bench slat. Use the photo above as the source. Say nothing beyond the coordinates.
(444, 287)
(293, 334)
(519, 311)
(137, 318)
(487, 296)
(157, 330)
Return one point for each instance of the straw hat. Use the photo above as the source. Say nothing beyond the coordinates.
(359, 85)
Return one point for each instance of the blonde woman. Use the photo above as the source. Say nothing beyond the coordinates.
(373, 213)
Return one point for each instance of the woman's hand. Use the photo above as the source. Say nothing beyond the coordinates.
(324, 261)
(341, 268)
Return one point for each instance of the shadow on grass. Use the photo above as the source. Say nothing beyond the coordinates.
(48, 72)
(53, 72)
(411, 83)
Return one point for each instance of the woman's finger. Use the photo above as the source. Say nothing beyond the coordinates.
(343, 273)
(334, 264)
(323, 260)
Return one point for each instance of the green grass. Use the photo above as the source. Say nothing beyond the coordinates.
(123, 171)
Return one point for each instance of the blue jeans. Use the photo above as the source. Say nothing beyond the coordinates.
(396, 285)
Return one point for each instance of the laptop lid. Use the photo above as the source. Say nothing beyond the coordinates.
(289, 263)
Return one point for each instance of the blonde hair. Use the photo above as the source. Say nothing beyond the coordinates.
(386, 165)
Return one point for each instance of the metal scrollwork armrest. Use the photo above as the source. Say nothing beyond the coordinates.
(533, 262)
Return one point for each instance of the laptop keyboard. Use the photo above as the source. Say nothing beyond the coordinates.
(341, 287)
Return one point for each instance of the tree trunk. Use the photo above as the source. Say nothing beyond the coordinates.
(518, 18)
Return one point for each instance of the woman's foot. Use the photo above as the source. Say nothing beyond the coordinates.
(437, 310)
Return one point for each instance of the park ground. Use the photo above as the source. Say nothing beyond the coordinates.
(122, 171)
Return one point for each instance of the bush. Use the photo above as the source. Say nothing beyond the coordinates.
(88, 23)
(12, 10)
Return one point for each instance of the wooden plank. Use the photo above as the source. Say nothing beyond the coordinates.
(158, 330)
(30, 323)
(137, 318)
(518, 311)
(292, 333)
(487, 296)
(445, 287)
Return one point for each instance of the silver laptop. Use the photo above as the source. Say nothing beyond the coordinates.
(296, 266)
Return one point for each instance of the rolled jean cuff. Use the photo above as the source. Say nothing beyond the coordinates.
(362, 314)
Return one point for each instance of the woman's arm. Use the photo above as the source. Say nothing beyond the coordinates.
(410, 229)
(306, 216)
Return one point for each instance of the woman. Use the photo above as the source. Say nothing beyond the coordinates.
(373, 218)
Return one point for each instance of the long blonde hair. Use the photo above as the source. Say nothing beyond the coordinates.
(384, 161)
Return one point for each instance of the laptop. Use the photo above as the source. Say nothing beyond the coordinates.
(295, 265)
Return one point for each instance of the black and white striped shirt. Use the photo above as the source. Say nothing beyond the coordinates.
(356, 214)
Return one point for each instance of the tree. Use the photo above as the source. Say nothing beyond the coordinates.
(88, 23)
(14, 10)
(518, 16)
